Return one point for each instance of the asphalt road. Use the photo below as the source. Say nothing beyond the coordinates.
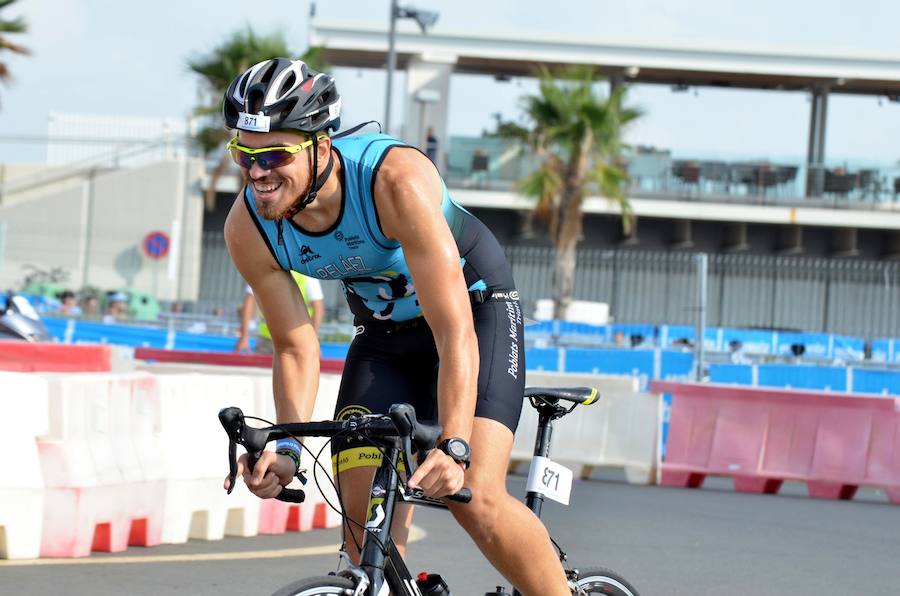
(665, 541)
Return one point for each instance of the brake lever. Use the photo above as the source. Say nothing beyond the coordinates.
(232, 420)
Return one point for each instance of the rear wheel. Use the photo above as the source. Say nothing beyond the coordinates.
(318, 586)
(602, 581)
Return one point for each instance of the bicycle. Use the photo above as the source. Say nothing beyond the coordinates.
(381, 568)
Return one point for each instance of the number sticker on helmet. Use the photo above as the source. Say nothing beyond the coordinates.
(253, 122)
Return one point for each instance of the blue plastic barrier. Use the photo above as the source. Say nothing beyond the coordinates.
(611, 361)
(676, 364)
(886, 350)
(753, 342)
(817, 345)
(542, 359)
(735, 374)
(803, 376)
(876, 381)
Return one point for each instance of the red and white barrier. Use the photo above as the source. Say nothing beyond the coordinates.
(195, 451)
(98, 497)
(618, 431)
(25, 356)
(23, 399)
(834, 443)
(277, 517)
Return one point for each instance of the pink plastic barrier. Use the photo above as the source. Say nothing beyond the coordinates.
(834, 443)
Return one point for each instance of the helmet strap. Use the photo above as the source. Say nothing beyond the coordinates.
(316, 184)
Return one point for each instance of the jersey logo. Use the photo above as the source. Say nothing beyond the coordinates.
(307, 254)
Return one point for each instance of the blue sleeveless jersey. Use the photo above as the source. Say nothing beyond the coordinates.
(372, 269)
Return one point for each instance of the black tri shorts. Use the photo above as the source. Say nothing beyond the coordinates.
(398, 363)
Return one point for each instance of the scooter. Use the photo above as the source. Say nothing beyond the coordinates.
(19, 320)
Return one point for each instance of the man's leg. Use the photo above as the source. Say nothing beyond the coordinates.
(511, 537)
(356, 485)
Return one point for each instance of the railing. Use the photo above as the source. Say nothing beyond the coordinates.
(497, 164)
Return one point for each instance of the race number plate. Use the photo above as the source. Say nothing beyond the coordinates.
(550, 479)
(254, 122)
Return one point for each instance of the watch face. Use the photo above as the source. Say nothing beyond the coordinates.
(457, 448)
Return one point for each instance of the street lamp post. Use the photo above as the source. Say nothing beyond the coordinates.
(425, 19)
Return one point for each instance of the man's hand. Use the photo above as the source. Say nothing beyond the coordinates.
(242, 345)
(270, 474)
(438, 475)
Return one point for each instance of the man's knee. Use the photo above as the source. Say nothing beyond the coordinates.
(480, 516)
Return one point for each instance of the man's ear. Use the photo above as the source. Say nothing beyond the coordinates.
(324, 150)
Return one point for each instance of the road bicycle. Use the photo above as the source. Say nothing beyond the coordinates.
(382, 570)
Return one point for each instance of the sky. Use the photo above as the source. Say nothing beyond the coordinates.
(130, 59)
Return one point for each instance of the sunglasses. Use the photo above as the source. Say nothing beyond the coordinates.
(267, 157)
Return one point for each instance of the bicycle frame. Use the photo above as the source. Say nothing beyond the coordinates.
(380, 566)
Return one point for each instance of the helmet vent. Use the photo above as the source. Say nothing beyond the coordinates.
(287, 84)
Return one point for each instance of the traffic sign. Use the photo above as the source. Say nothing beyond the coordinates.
(156, 245)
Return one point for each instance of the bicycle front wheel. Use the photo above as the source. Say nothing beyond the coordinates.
(328, 585)
(602, 581)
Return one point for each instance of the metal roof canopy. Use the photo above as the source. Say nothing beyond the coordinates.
(699, 65)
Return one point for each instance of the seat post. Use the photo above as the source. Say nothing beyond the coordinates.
(534, 500)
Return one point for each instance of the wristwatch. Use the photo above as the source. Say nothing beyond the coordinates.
(457, 449)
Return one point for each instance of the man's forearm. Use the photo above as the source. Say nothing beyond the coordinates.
(458, 384)
(295, 382)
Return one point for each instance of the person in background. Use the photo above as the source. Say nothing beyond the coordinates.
(311, 291)
(90, 307)
(431, 145)
(619, 339)
(69, 304)
(116, 307)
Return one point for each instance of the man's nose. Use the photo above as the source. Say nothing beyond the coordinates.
(257, 171)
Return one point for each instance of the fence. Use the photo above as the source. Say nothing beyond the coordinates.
(859, 298)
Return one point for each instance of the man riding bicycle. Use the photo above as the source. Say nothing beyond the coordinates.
(427, 283)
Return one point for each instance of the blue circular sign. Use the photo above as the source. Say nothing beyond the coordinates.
(156, 245)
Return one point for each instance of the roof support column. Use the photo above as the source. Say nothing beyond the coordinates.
(427, 98)
(815, 156)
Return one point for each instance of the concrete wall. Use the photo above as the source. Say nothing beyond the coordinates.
(93, 226)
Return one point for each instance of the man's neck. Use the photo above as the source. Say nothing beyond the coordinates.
(322, 213)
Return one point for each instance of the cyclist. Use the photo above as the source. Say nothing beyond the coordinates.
(426, 282)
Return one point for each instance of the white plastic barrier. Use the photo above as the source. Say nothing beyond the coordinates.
(195, 451)
(620, 430)
(276, 517)
(23, 399)
(99, 495)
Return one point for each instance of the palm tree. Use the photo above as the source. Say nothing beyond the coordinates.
(575, 133)
(14, 26)
(240, 51)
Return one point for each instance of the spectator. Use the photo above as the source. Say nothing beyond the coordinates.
(218, 312)
(311, 290)
(90, 306)
(116, 307)
(431, 145)
(736, 352)
(619, 339)
(69, 304)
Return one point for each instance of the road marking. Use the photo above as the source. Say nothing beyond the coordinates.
(415, 533)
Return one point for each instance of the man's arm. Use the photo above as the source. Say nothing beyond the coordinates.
(318, 315)
(295, 366)
(408, 197)
(246, 313)
(296, 360)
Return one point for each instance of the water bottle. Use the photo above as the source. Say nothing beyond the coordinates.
(500, 592)
(432, 584)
